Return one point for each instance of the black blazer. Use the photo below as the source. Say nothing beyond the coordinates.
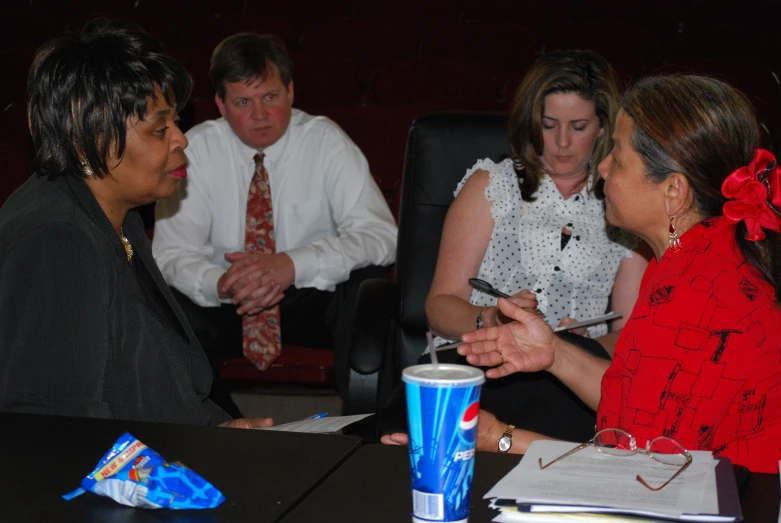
(77, 335)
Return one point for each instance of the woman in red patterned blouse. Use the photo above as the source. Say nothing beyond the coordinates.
(700, 358)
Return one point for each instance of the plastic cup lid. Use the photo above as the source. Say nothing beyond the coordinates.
(443, 375)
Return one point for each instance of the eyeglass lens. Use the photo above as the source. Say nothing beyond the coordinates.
(668, 451)
(615, 442)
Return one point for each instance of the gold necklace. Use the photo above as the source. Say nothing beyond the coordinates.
(126, 243)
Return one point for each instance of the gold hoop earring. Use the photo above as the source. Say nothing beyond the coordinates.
(673, 238)
(86, 168)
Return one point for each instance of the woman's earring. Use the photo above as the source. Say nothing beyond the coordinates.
(86, 168)
(673, 238)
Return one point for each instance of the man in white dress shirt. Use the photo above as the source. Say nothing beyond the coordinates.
(332, 225)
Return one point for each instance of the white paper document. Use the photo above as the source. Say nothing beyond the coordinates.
(539, 517)
(592, 481)
(325, 424)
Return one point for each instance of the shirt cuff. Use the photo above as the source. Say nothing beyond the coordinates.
(305, 263)
(209, 286)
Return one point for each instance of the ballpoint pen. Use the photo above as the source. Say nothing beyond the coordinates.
(585, 323)
(318, 416)
(484, 286)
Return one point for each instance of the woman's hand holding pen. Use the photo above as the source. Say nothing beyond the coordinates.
(492, 316)
(525, 299)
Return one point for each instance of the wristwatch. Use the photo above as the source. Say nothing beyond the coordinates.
(505, 443)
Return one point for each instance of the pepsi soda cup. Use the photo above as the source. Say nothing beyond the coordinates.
(443, 402)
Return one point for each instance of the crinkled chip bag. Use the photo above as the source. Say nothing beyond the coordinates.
(133, 474)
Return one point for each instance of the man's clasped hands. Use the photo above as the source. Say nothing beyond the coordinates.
(255, 282)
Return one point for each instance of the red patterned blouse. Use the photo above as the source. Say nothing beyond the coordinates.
(700, 359)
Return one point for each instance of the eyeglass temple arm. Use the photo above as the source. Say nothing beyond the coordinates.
(656, 489)
(579, 447)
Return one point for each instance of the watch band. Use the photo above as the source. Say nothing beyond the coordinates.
(479, 319)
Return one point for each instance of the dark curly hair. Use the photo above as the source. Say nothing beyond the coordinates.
(83, 88)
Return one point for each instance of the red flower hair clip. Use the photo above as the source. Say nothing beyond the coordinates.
(754, 194)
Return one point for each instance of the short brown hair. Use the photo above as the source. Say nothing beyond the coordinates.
(245, 57)
(584, 73)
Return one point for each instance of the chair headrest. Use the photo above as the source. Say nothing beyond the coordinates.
(440, 149)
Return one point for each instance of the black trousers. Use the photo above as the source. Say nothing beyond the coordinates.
(534, 401)
(309, 317)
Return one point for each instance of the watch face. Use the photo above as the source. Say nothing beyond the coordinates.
(505, 443)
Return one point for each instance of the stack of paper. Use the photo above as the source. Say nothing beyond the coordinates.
(589, 485)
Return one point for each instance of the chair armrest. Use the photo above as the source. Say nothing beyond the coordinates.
(374, 325)
(375, 312)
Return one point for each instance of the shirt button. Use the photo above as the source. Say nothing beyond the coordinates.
(577, 198)
(569, 225)
(556, 268)
(577, 238)
(538, 291)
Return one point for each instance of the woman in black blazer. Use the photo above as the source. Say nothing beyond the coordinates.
(88, 327)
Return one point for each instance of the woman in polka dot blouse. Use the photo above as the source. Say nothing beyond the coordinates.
(539, 233)
(535, 229)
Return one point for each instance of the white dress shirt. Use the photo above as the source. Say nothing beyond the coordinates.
(329, 215)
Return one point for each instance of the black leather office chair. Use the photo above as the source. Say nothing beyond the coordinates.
(390, 322)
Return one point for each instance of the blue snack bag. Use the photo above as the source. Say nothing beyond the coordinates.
(135, 475)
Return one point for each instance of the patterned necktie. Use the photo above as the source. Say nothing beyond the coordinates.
(262, 340)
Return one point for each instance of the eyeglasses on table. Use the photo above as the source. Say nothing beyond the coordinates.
(617, 442)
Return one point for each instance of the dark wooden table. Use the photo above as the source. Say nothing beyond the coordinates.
(373, 486)
(262, 474)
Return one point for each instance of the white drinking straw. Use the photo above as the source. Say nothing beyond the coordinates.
(431, 349)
